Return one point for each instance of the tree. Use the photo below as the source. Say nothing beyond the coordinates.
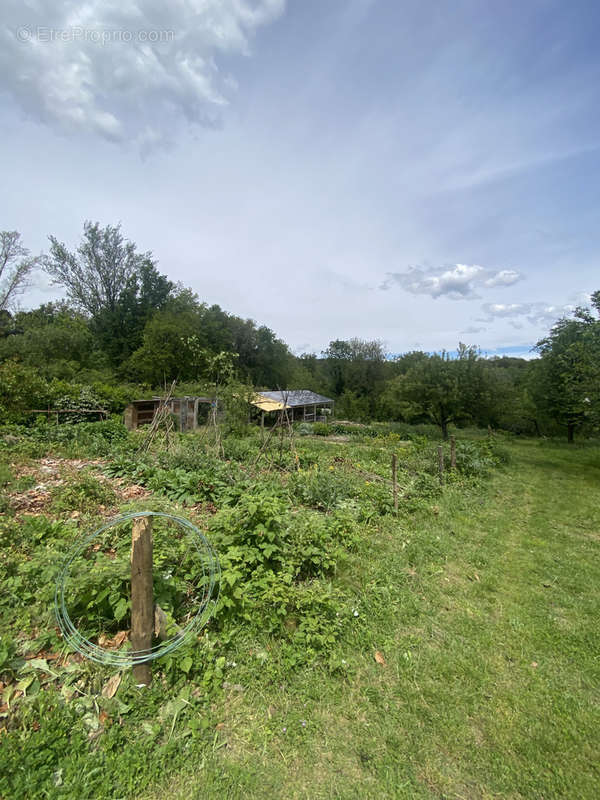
(431, 388)
(16, 264)
(119, 332)
(442, 389)
(99, 271)
(357, 366)
(568, 374)
(53, 338)
(162, 357)
(477, 386)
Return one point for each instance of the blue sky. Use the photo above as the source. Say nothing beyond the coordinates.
(417, 172)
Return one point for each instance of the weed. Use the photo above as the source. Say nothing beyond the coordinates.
(82, 494)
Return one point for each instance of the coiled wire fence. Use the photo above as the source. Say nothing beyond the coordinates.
(207, 582)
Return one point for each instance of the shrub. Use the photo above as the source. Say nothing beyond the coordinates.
(272, 565)
(304, 429)
(317, 488)
(475, 459)
(321, 429)
(82, 494)
(21, 388)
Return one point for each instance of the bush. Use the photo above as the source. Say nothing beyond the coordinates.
(83, 494)
(272, 565)
(321, 429)
(317, 488)
(21, 388)
(84, 400)
(475, 459)
(304, 429)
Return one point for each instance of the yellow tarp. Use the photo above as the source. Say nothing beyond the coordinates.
(266, 404)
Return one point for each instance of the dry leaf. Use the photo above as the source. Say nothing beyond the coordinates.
(103, 717)
(379, 658)
(120, 638)
(110, 687)
(116, 641)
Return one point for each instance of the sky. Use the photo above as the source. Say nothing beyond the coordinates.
(421, 172)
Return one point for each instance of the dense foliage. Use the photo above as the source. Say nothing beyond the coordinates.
(286, 521)
(128, 330)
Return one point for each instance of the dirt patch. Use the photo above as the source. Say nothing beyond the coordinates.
(50, 473)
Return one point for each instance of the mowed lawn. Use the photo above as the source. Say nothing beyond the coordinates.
(486, 610)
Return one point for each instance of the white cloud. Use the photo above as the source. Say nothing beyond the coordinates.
(537, 314)
(506, 277)
(506, 309)
(458, 282)
(130, 70)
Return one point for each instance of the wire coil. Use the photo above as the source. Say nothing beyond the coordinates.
(210, 580)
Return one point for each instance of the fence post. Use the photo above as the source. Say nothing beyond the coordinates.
(452, 452)
(395, 481)
(441, 463)
(142, 600)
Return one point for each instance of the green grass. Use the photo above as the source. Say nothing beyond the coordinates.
(486, 613)
(484, 602)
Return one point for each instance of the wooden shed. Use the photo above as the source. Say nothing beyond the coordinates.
(142, 412)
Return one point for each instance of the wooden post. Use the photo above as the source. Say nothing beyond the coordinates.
(441, 463)
(452, 452)
(395, 481)
(142, 601)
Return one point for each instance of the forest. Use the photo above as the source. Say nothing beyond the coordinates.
(125, 330)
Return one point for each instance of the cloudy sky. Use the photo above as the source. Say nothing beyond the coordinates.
(422, 172)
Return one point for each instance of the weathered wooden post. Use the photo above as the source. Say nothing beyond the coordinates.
(441, 463)
(142, 599)
(452, 452)
(395, 481)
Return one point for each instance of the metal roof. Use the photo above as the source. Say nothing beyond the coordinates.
(289, 398)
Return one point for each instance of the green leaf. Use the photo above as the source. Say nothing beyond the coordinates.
(186, 664)
(120, 609)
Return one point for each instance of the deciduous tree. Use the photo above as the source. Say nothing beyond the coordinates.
(568, 375)
(16, 265)
(98, 272)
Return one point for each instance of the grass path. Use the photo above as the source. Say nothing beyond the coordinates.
(487, 614)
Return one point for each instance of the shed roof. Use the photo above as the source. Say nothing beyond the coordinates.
(288, 398)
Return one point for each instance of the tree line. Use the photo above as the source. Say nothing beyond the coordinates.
(125, 328)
